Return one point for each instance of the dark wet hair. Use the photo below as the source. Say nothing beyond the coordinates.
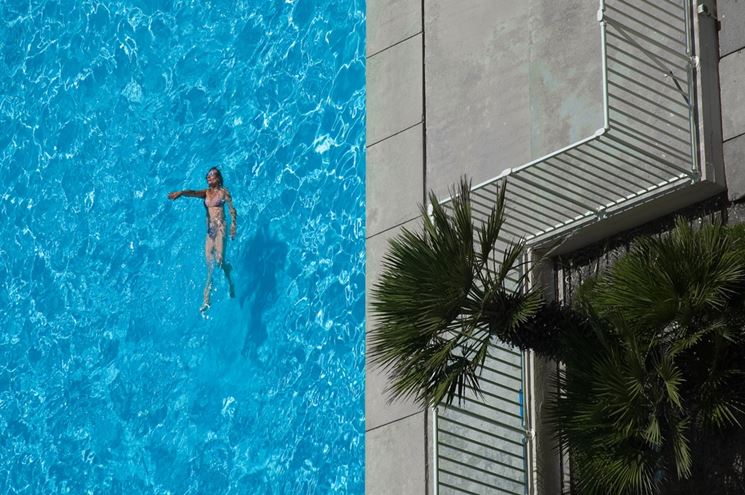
(217, 172)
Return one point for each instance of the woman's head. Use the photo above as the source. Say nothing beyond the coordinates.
(214, 176)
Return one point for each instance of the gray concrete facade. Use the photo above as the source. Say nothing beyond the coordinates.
(507, 82)
(395, 433)
(475, 88)
(498, 89)
(395, 457)
(731, 14)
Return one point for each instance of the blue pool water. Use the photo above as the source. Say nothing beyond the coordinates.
(110, 379)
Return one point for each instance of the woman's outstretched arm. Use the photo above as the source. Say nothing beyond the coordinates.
(233, 213)
(188, 193)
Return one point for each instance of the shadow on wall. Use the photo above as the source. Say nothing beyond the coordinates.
(258, 262)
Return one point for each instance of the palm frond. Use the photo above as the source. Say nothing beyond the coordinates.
(438, 302)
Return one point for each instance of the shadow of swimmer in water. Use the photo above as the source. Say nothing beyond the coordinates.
(261, 258)
(215, 197)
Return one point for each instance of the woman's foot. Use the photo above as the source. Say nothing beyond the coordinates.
(204, 307)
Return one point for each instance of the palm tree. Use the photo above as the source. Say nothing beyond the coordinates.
(665, 376)
(441, 297)
(653, 350)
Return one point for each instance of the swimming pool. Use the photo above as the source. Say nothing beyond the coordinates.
(110, 379)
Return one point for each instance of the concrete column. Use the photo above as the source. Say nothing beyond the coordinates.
(395, 440)
(731, 14)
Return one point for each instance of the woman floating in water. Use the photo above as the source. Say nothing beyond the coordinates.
(214, 198)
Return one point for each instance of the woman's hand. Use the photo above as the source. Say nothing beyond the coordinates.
(174, 195)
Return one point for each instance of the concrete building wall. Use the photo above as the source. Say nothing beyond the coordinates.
(507, 82)
(475, 88)
(500, 83)
(395, 440)
(731, 14)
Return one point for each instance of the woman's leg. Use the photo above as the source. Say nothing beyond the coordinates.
(209, 246)
(219, 250)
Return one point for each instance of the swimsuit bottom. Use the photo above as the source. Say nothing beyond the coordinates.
(215, 228)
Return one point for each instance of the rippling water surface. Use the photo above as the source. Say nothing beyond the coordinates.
(110, 380)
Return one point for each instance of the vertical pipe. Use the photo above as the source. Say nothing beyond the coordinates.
(527, 465)
(531, 473)
(604, 61)
(526, 360)
(424, 108)
(533, 445)
(435, 484)
(427, 441)
(432, 441)
(692, 123)
(692, 93)
(687, 12)
(525, 420)
(560, 283)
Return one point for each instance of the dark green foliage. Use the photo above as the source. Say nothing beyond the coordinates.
(554, 332)
(654, 349)
(441, 299)
(666, 376)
